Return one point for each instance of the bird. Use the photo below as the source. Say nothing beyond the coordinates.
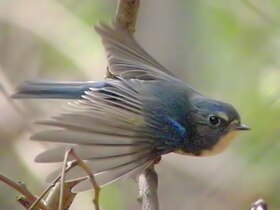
(121, 125)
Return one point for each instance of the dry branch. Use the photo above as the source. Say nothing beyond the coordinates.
(21, 188)
(126, 15)
(148, 184)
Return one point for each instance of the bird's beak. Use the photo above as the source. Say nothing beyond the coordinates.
(241, 127)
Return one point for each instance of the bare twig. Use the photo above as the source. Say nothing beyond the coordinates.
(148, 183)
(91, 177)
(61, 194)
(20, 187)
(127, 13)
(61, 197)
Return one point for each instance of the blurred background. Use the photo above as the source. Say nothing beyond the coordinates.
(229, 50)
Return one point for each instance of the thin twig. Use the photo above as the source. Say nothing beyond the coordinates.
(61, 195)
(96, 187)
(20, 187)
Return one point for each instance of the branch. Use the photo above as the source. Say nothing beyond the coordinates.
(20, 187)
(127, 13)
(148, 184)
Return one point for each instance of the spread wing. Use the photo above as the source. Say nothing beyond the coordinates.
(125, 54)
(106, 129)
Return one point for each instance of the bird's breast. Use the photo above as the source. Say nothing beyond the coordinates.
(221, 145)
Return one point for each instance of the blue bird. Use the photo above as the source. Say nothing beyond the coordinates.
(120, 126)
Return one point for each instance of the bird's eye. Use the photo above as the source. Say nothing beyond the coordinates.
(214, 120)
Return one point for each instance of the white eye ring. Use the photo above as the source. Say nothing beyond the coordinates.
(214, 120)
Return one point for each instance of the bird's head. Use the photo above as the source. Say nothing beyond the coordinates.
(214, 125)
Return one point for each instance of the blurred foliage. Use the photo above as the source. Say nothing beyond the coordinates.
(228, 50)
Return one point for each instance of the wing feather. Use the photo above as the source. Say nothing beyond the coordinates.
(86, 152)
(101, 165)
(106, 129)
(82, 137)
(125, 54)
(112, 176)
(109, 129)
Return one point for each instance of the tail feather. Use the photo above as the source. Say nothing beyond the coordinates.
(54, 90)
